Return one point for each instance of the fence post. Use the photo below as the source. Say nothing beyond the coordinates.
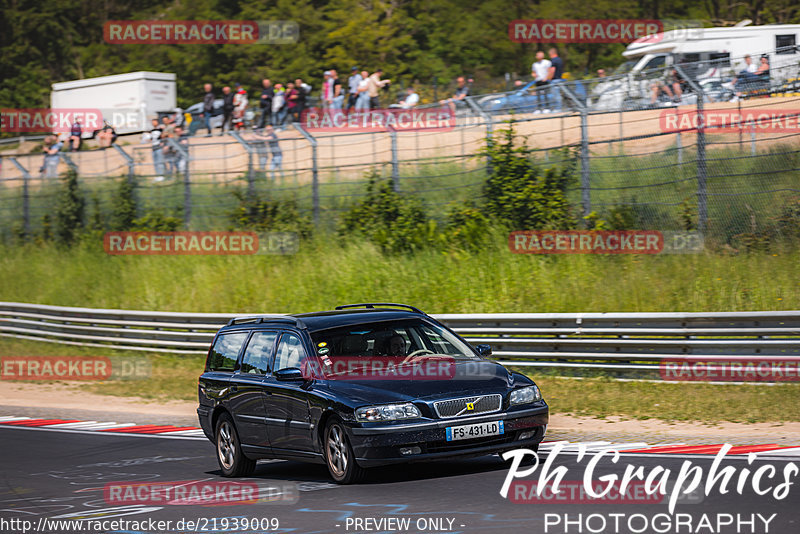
(752, 141)
(586, 194)
(251, 184)
(395, 162)
(314, 172)
(187, 182)
(702, 171)
(679, 145)
(26, 214)
(489, 128)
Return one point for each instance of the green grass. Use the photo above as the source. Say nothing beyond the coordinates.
(706, 403)
(329, 271)
(175, 378)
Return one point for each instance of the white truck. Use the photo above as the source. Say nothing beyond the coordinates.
(709, 55)
(126, 101)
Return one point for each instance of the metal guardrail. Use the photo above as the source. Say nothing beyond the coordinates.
(604, 341)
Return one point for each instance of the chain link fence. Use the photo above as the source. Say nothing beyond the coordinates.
(648, 159)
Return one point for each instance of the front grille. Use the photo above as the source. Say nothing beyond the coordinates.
(458, 407)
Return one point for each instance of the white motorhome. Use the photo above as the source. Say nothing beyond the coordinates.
(704, 53)
(127, 101)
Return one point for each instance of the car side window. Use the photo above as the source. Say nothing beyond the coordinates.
(225, 351)
(258, 353)
(290, 352)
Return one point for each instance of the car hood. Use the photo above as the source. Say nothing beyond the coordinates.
(470, 377)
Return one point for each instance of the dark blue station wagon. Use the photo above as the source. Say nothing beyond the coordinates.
(286, 387)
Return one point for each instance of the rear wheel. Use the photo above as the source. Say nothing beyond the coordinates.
(339, 455)
(231, 459)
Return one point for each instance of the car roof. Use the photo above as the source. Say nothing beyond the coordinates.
(323, 320)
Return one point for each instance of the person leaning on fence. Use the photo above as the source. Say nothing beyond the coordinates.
(267, 136)
(154, 138)
(459, 97)
(555, 76)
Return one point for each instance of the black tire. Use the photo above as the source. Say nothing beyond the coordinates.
(232, 461)
(339, 456)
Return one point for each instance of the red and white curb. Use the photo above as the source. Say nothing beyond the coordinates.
(764, 450)
(768, 450)
(75, 425)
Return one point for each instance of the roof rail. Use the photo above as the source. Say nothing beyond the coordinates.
(267, 318)
(371, 305)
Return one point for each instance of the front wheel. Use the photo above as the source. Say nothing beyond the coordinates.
(339, 455)
(231, 459)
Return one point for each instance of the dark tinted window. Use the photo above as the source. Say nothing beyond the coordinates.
(785, 44)
(225, 351)
(258, 353)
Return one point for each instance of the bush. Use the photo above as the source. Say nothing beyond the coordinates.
(393, 221)
(260, 215)
(70, 209)
(522, 195)
(123, 205)
(156, 221)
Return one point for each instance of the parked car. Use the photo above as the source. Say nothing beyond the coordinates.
(286, 387)
(526, 100)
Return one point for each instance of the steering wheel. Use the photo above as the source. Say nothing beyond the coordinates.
(415, 353)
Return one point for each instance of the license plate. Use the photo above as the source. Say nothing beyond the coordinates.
(478, 430)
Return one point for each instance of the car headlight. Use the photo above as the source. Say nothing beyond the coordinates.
(387, 412)
(525, 395)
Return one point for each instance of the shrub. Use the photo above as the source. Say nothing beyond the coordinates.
(70, 209)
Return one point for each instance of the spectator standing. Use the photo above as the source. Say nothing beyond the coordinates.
(327, 90)
(555, 77)
(52, 156)
(300, 96)
(208, 107)
(158, 154)
(167, 132)
(240, 102)
(291, 99)
(265, 102)
(75, 132)
(540, 71)
(275, 150)
(227, 108)
(362, 101)
(279, 106)
(338, 96)
(182, 138)
(374, 85)
(352, 87)
(459, 97)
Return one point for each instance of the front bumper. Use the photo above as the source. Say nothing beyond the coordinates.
(381, 444)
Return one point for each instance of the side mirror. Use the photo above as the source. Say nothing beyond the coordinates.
(484, 350)
(289, 374)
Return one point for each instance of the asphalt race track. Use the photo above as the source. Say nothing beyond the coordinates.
(65, 475)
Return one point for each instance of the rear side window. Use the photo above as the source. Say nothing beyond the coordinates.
(258, 353)
(225, 351)
(785, 44)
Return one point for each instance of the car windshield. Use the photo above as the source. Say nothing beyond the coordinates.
(393, 338)
(624, 68)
